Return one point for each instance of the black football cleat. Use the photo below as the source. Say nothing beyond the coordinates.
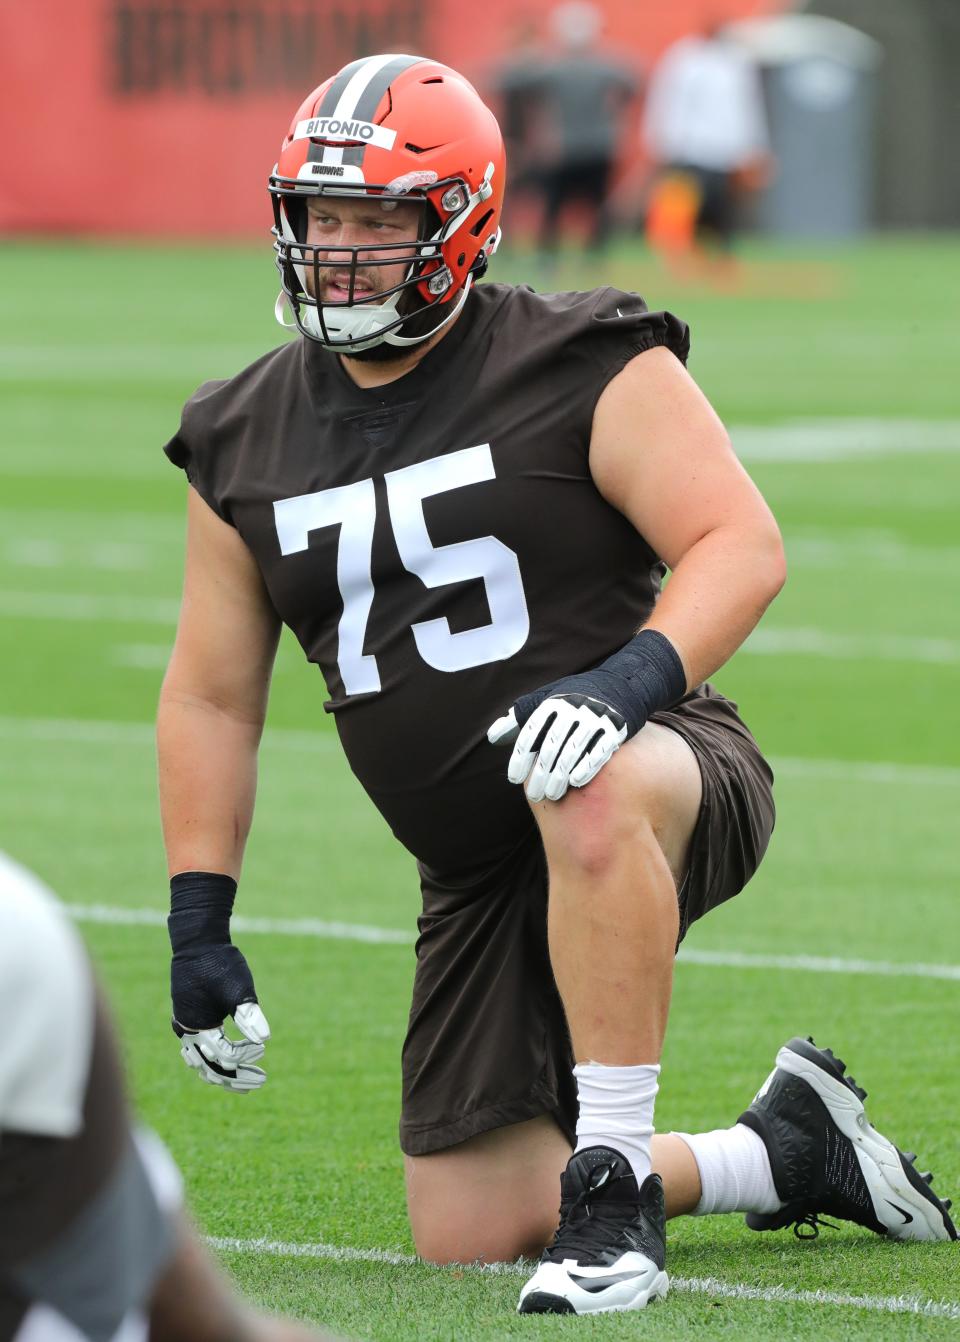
(610, 1249)
(828, 1161)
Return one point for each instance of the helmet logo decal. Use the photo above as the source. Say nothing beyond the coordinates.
(343, 172)
(334, 128)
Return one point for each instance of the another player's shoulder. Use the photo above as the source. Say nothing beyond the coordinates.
(46, 992)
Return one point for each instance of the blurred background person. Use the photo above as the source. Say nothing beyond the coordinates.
(93, 1242)
(577, 100)
(705, 129)
(515, 85)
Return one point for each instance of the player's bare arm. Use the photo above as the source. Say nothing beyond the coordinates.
(214, 699)
(661, 456)
(211, 714)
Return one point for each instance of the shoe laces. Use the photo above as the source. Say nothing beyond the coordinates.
(808, 1226)
(584, 1220)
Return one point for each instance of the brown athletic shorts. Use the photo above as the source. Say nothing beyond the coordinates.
(487, 1043)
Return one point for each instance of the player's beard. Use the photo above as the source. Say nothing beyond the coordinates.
(382, 353)
(421, 323)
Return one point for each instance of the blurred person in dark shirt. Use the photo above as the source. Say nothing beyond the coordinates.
(516, 86)
(581, 94)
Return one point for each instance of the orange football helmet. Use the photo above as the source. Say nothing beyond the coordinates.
(397, 128)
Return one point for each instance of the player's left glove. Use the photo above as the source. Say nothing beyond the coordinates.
(567, 731)
(210, 980)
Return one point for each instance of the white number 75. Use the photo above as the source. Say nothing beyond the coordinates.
(353, 508)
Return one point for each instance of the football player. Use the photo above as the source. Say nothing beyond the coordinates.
(94, 1246)
(462, 499)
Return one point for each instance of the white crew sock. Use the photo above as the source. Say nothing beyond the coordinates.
(734, 1169)
(616, 1109)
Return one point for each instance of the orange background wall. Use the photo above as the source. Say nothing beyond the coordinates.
(163, 117)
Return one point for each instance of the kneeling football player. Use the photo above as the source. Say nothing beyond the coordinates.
(462, 498)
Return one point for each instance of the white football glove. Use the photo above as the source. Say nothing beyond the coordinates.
(228, 1062)
(562, 744)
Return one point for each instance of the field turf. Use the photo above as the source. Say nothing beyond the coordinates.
(835, 370)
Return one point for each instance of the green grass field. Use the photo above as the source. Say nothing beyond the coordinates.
(835, 370)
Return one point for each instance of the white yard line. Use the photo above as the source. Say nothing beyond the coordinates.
(798, 440)
(314, 927)
(30, 545)
(773, 641)
(880, 1304)
(814, 440)
(89, 606)
(141, 656)
(120, 916)
(98, 731)
(866, 549)
(865, 771)
(818, 964)
(765, 641)
(113, 363)
(46, 553)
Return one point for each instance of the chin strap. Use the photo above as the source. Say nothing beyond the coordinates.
(373, 319)
(394, 338)
(281, 308)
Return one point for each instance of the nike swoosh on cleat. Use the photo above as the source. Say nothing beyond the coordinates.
(594, 1284)
(907, 1218)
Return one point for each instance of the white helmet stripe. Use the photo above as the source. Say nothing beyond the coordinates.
(350, 98)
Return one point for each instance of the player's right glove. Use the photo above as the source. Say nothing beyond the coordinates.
(210, 980)
(565, 732)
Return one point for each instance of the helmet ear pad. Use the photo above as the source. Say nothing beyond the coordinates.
(430, 226)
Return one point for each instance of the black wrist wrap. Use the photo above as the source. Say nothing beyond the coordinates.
(201, 903)
(638, 680)
(209, 977)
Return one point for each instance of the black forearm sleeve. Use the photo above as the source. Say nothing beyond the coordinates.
(638, 680)
(209, 977)
(201, 903)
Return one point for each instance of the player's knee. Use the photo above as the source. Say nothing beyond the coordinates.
(649, 793)
(486, 1243)
(593, 827)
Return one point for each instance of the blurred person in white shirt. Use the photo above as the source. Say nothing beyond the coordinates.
(705, 128)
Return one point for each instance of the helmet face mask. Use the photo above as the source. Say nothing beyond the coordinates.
(432, 144)
(363, 275)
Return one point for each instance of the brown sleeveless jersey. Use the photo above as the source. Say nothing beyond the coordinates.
(437, 545)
